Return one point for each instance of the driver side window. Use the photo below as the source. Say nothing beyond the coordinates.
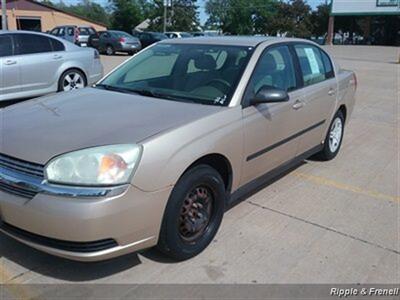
(274, 69)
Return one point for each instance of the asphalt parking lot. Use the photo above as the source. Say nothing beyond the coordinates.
(322, 222)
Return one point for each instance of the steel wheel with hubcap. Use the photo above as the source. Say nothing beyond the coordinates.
(333, 139)
(335, 134)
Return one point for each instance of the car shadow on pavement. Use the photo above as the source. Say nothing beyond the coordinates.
(59, 268)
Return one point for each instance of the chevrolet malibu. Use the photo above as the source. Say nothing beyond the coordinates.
(154, 153)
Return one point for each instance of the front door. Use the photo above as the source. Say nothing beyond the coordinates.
(9, 68)
(270, 129)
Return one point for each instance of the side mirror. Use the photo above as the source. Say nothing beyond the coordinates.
(268, 94)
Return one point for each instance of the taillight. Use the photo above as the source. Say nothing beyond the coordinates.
(76, 34)
(355, 81)
(122, 40)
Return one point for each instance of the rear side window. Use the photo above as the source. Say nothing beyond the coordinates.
(311, 64)
(70, 31)
(57, 45)
(86, 31)
(6, 48)
(329, 73)
(32, 43)
(55, 31)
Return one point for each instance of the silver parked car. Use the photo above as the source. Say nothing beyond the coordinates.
(74, 34)
(158, 148)
(34, 64)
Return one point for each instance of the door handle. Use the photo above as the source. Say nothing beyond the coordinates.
(331, 92)
(56, 56)
(9, 62)
(298, 104)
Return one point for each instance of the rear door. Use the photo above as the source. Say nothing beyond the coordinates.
(38, 62)
(319, 88)
(10, 79)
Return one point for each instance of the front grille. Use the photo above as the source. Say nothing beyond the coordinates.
(18, 191)
(18, 166)
(82, 247)
(21, 166)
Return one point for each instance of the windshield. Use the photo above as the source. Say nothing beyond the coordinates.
(206, 74)
(122, 34)
(185, 34)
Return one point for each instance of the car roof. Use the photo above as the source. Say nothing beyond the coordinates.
(250, 41)
(67, 44)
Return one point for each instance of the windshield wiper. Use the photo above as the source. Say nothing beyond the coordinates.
(113, 88)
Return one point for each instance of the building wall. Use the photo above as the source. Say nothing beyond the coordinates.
(367, 7)
(49, 19)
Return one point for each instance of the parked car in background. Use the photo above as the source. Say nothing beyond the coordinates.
(34, 64)
(76, 34)
(159, 147)
(112, 41)
(147, 38)
(177, 35)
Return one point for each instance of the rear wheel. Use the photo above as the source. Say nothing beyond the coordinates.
(71, 80)
(109, 50)
(334, 137)
(194, 213)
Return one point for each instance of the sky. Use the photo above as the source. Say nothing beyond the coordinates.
(201, 3)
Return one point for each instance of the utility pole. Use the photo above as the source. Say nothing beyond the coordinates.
(3, 15)
(165, 15)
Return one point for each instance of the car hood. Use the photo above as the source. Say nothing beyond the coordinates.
(42, 128)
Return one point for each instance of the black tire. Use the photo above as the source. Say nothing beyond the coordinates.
(67, 73)
(327, 153)
(110, 50)
(172, 241)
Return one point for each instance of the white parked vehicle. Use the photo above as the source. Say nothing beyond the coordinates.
(178, 35)
(34, 64)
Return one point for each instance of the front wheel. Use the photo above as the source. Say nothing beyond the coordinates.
(334, 137)
(193, 214)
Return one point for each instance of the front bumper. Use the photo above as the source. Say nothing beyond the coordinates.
(80, 226)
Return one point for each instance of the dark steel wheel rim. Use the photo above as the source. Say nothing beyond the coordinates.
(195, 213)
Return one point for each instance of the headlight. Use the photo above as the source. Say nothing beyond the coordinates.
(105, 165)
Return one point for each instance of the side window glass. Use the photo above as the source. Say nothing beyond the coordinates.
(5, 45)
(54, 31)
(312, 67)
(329, 73)
(274, 69)
(70, 31)
(57, 45)
(32, 43)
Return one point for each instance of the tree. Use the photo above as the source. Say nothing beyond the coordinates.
(320, 19)
(85, 8)
(241, 17)
(182, 15)
(126, 14)
(293, 18)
